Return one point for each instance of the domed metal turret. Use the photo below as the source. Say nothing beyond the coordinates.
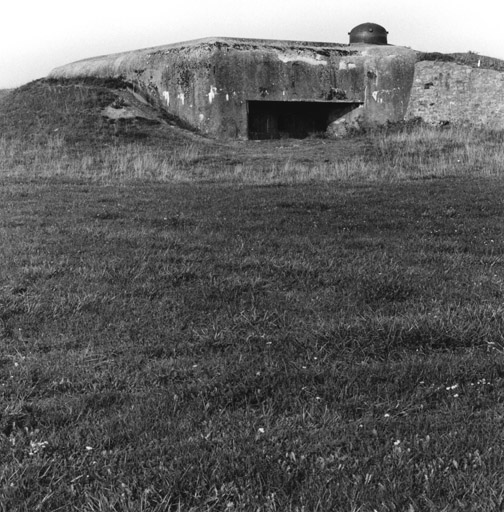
(368, 33)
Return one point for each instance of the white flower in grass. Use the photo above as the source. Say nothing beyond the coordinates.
(398, 447)
(36, 447)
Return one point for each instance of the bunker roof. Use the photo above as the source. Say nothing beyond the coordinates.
(237, 43)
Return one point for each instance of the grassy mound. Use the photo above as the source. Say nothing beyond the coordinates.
(73, 110)
(468, 58)
(88, 128)
(99, 130)
(4, 93)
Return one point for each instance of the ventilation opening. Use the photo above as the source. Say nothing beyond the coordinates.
(293, 119)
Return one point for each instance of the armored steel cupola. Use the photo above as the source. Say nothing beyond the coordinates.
(368, 33)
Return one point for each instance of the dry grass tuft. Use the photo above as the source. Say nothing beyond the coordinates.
(422, 153)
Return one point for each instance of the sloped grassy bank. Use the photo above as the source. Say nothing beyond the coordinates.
(223, 347)
(58, 128)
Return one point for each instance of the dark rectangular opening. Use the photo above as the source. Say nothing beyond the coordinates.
(293, 119)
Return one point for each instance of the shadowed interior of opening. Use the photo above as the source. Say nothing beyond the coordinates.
(293, 119)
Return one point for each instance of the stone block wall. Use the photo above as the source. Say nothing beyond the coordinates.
(457, 93)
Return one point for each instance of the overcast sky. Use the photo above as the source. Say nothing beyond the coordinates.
(36, 36)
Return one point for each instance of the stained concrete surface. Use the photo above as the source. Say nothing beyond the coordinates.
(211, 83)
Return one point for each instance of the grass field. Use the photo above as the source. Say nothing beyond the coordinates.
(287, 326)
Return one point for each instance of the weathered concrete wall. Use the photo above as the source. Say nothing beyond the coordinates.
(388, 79)
(208, 82)
(447, 91)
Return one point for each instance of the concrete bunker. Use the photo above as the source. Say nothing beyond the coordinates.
(293, 119)
(235, 88)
